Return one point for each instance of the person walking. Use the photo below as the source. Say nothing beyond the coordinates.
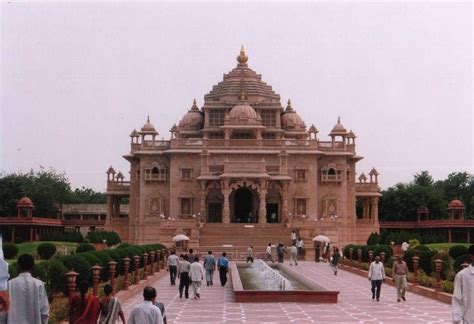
(376, 277)
(110, 308)
(183, 275)
(146, 312)
(191, 256)
(268, 253)
(249, 254)
(84, 308)
(281, 250)
(27, 295)
(300, 247)
(463, 294)
(196, 274)
(293, 254)
(335, 260)
(173, 261)
(223, 266)
(209, 266)
(399, 272)
(293, 236)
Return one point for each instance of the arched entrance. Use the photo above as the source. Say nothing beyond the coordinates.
(244, 206)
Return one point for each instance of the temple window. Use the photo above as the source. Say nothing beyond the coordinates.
(216, 135)
(268, 135)
(216, 117)
(242, 135)
(300, 206)
(186, 174)
(300, 175)
(268, 117)
(331, 174)
(155, 174)
(186, 206)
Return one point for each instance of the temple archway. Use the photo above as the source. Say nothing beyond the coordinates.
(244, 205)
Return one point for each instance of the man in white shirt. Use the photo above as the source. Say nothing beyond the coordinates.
(28, 299)
(405, 247)
(173, 261)
(196, 274)
(463, 294)
(146, 312)
(268, 253)
(293, 254)
(300, 246)
(376, 276)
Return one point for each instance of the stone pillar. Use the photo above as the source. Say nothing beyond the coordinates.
(112, 265)
(202, 200)
(262, 205)
(145, 265)
(416, 260)
(226, 207)
(126, 266)
(95, 278)
(351, 254)
(136, 262)
(382, 257)
(359, 255)
(152, 262)
(71, 283)
(284, 198)
(375, 208)
(371, 254)
(157, 260)
(438, 268)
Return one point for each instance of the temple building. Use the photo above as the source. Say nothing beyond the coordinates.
(242, 169)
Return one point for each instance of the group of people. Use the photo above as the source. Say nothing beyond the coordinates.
(295, 250)
(189, 270)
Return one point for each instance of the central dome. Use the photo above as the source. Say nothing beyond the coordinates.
(244, 114)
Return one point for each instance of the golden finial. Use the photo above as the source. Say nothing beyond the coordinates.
(242, 96)
(288, 107)
(242, 58)
(194, 104)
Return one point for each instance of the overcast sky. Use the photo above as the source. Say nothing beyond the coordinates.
(77, 78)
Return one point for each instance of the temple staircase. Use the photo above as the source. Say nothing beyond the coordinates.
(236, 238)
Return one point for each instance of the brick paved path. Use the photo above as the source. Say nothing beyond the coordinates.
(355, 304)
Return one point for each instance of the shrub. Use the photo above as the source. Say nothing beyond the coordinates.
(457, 251)
(446, 265)
(91, 259)
(10, 250)
(79, 264)
(123, 245)
(447, 286)
(414, 243)
(85, 247)
(374, 238)
(384, 248)
(111, 237)
(40, 271)
(424, 261)
(104, 258)
(57, 275)
(116, 257)
(426, 281)
(46, 250)
(347, 251)
(421, 248)
(13, 270)
(460, 260)
(389, 262)
(74, 237)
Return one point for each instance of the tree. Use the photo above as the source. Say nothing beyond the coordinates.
(423, 179)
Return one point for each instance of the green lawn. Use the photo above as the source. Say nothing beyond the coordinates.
(444, 246)
(30, 247)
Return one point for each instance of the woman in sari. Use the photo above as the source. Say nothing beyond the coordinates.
(110, 308)
(84, 308)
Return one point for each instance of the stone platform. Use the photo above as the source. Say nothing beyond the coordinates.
(218, 305)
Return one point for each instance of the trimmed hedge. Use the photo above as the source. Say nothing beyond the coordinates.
(111, 237)
(460, 260)
(10, 250)
(85, 247)
(74, 237)
(79, 264)
(457, 251)
(46, 250)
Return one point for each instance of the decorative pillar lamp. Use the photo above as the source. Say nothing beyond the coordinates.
(95, 278)
(371, 254)
(438, 267)
(416, 260)
(136, 263)
(465, 265)
(112, 264)
(351, 255)
(71, 282)
(162, 259)
(145, 265)
(157, 260)
(126, 267)
(359, 255)
(152, 262)
(382, 256)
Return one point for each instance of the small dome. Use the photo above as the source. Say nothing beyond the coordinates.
(351, 134)
(148, 127)
(290, 119)
(110, 170)
(244, 114)
(120, 175)
(24, 202)
(134, 133)
(338, 128)
(373, 172)
(456, 203)
(193, 120)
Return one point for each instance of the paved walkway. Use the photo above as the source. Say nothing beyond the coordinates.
(355, 305)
